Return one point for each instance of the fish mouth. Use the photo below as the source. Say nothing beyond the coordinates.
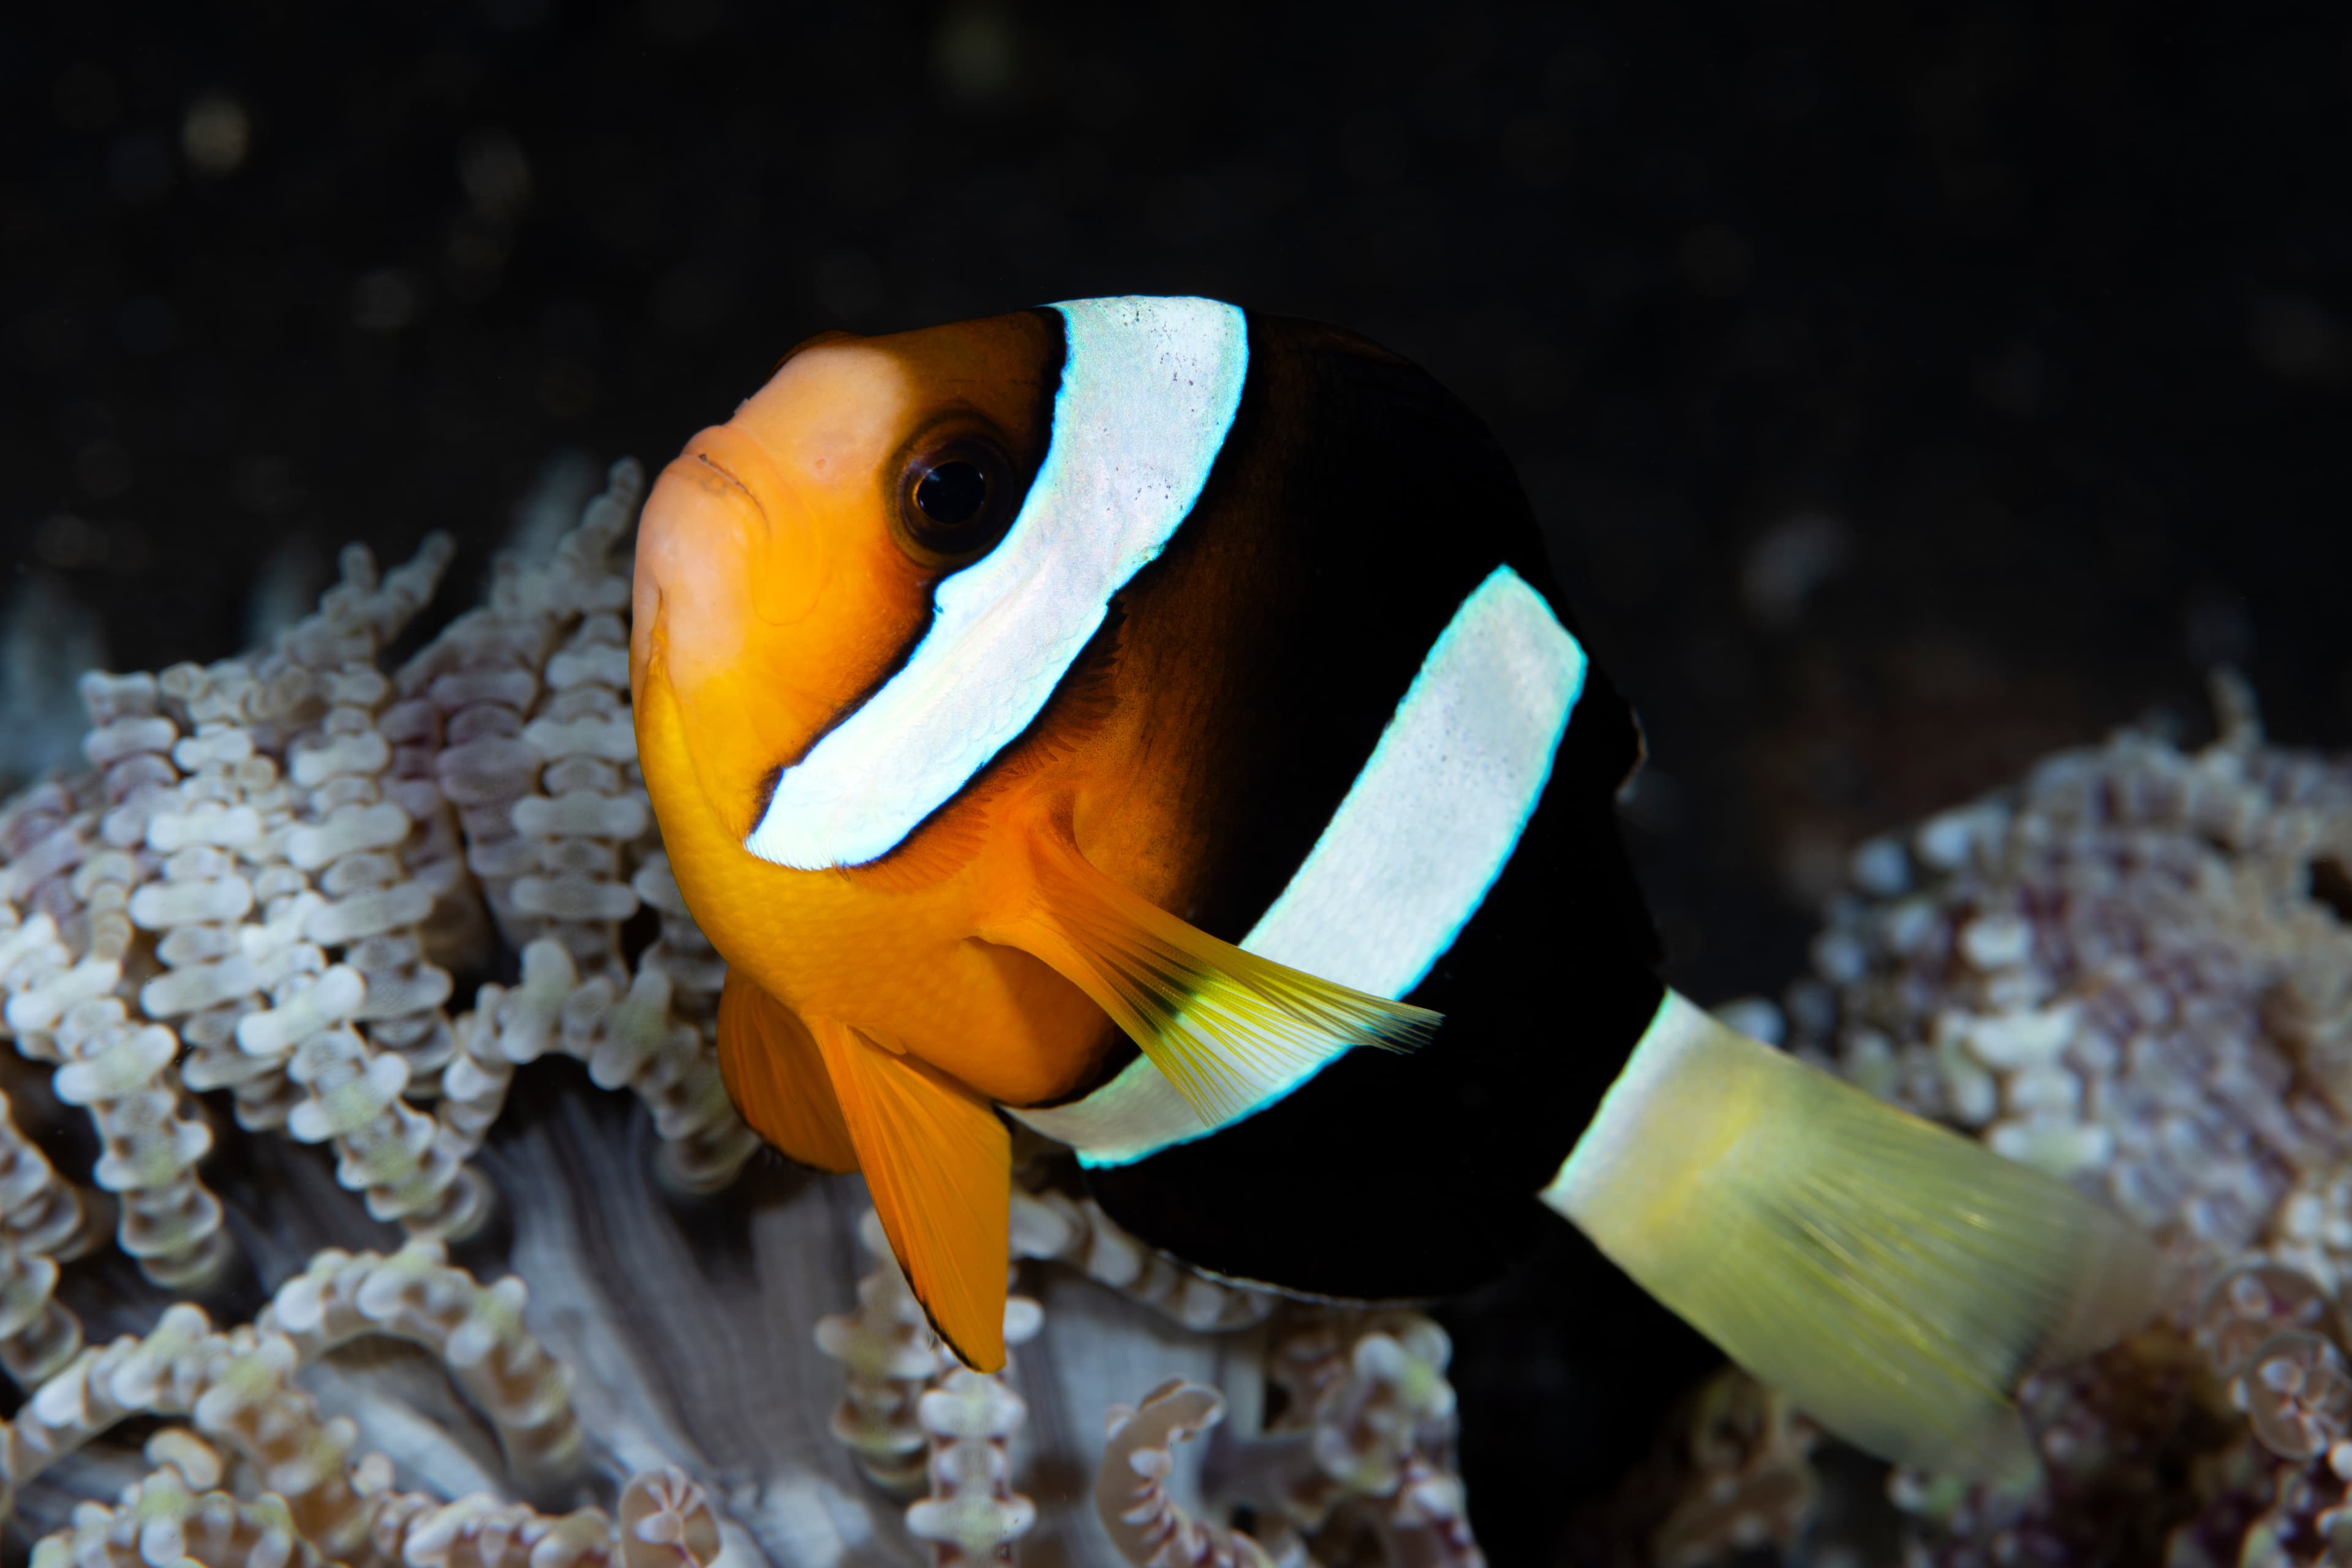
(725, 461)
(733, 472)
(726, 476)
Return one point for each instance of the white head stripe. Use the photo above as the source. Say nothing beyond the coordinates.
(1149, 389)
(1408, 857)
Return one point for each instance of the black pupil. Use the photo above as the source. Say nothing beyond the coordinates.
(952, 493)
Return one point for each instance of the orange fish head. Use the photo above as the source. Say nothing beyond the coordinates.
(787, 558)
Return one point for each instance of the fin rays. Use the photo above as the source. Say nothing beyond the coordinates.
(1228, 1028)
(938, 1166)
(776, 1078)
(1894, 1278)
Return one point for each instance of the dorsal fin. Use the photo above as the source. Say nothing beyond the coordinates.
(777, 1078)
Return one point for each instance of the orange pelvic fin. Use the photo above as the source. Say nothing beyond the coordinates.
(1230, 1030)
(777, 1078)
(939, 1162)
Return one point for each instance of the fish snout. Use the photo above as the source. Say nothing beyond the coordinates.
(699, 544)
(725, 589)
(718, 540)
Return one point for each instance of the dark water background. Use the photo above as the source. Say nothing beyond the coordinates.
(1907, 391)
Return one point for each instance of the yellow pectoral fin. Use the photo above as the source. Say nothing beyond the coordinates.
(777, 1078)
(1228, 1028)
(939, 1162)
(1894, 1278)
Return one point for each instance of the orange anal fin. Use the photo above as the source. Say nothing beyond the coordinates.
(939, 1162)
(777, 1078)
(1228, 1028)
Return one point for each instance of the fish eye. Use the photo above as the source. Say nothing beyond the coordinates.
(954, 504)
(952, 493)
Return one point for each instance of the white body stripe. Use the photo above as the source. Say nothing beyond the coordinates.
(1409, 855)
(1149, 387)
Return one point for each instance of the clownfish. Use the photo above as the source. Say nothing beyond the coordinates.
(1153, 723)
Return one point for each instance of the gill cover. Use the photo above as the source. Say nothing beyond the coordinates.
(1148, 390)
(779, 581)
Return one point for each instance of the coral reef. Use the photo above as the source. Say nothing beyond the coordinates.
(272, 966)
(1131, 1496)
(1743, 1479)
(274, 963)
(2134, 969)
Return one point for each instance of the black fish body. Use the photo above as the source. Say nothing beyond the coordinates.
(1156, 723)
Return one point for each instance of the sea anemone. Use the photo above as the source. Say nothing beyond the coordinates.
(298, 1264)
(2132, 969)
